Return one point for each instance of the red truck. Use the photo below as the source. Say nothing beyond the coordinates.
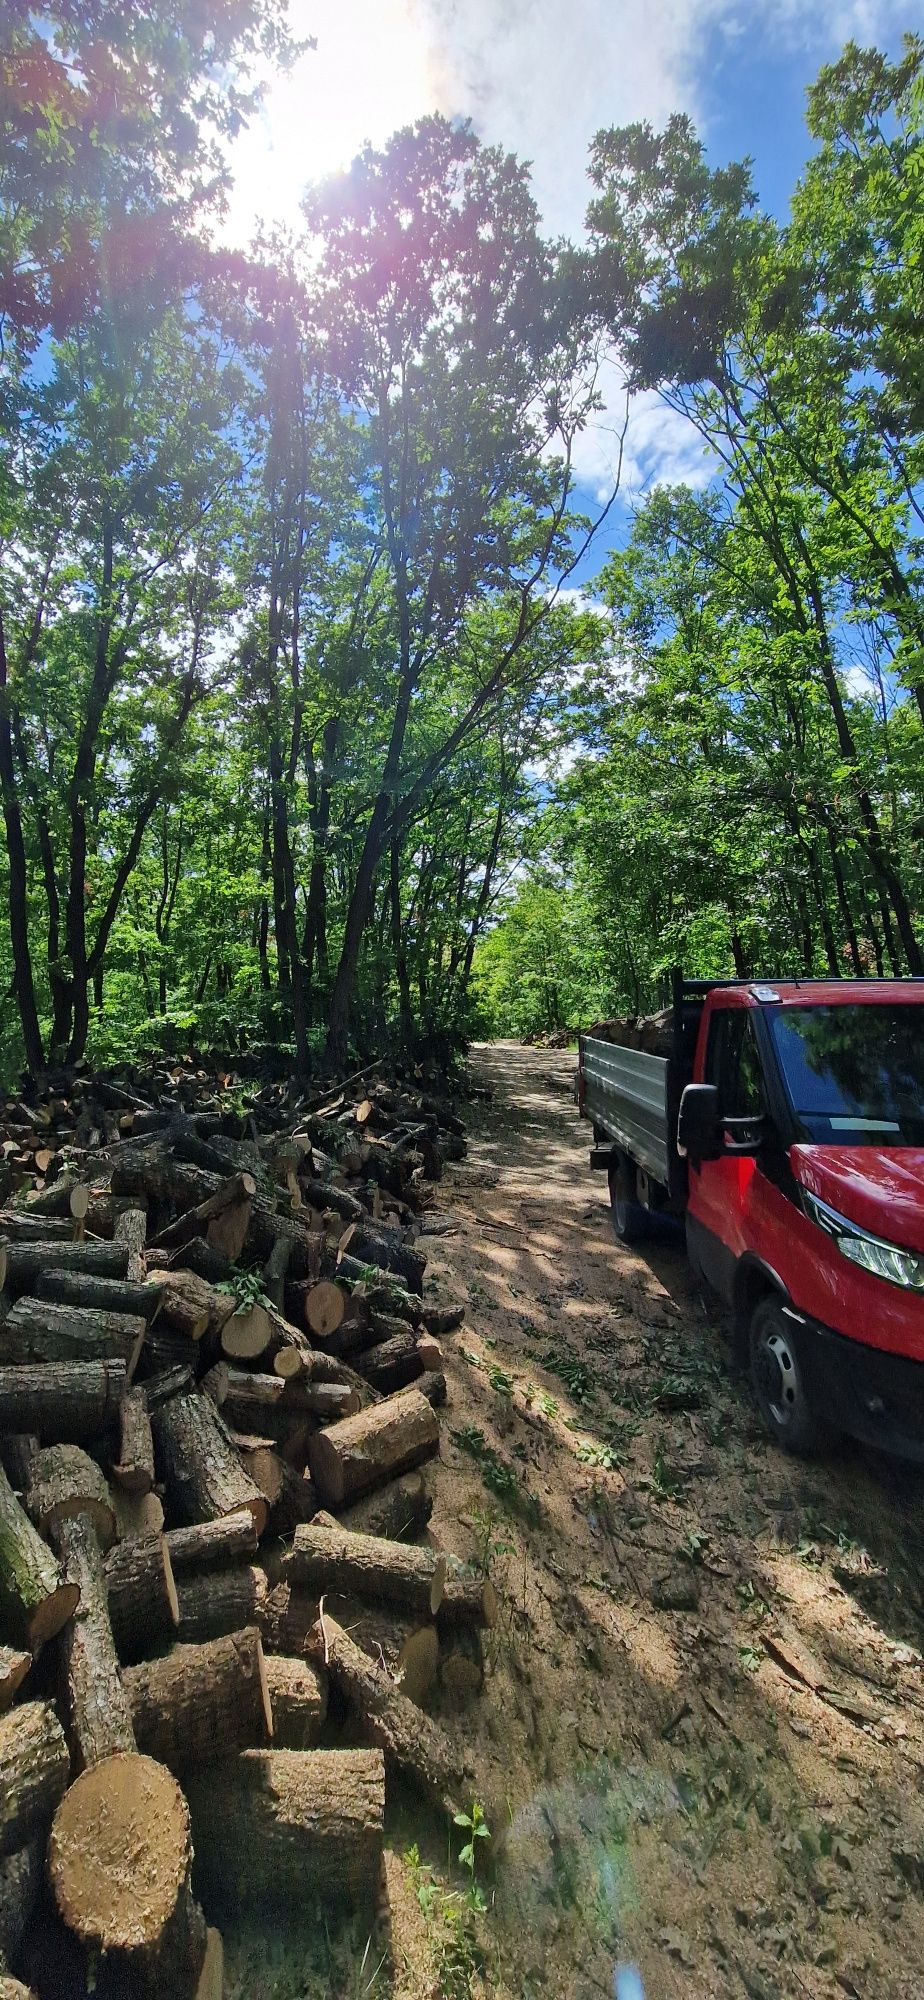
(787, 1125)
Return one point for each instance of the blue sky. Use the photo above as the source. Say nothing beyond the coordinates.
(540, 77)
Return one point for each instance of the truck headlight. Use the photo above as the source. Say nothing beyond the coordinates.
(871, 1253)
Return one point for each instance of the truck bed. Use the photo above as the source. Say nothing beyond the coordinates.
(627, 1097)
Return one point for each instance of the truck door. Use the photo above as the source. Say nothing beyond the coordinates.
(718, 1189)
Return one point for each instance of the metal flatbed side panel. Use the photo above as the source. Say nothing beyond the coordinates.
(627, 1096)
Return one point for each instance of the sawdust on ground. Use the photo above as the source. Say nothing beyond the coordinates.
(700, 1738)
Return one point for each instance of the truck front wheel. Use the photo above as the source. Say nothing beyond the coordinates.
(779, 1385)
(630, 1219)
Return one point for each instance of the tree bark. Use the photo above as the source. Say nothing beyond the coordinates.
(22, 1878)
(377, 1444)
(69, 1401)
(205, 1478)
(268, 1822)
(219, 1601)
(298, 1696)
(98, 1712)
(36, 1599)
(394, 1363)
(201, 1700)
(14, 1666)
(141, 1594)
(134, 1469)
(329, 1559)
(35, 1330)
(413, 1745)
(213, 1544)
(116, 1295)
(34, 1767)
(387, 1254)
(27, 1261)
(65, 1481)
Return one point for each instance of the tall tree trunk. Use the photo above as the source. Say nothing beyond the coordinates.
(18, 889)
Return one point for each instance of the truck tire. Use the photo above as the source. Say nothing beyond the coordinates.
(629, 1218)
(778, 1381)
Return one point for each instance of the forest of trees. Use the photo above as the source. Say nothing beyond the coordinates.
(306, 735)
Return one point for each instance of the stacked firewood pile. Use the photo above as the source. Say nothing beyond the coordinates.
(652, 1032)
(219, 1379)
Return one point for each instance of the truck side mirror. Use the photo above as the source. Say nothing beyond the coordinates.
(699, 1131)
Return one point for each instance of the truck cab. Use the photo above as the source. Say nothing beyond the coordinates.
(805, 1204)
(794, 1120)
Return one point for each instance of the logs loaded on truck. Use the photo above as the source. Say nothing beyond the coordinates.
(220, 1377)
(784, 1119)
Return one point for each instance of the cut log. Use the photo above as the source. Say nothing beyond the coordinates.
(269, 1822)
(328, 1558)
(204, 1475)
(285, 1617)
(134, 1470)
(199, 1701)
(399, 1511)
(387, 1253)
(35, 1330)
(79, 1288)
(274, 1271)
(22, 1877)
(325, 1309)
(141, 1593)
(96, 1260)
(247, 1334)
(321, 1195)
(462, 1663)
(160, 1388)
(190, 1305)
(468, 1600)
(66, 1482)
(13, 1989)
(130, 1228)
(151, 1168)
(234, 1193)
(216, 1601)
(410, 1658)
(203, 1258)
(364, 1451)
(120, 1867)
(36, 1599)
(213, 1544)
(332, 1400)
(392, 1364)
(262, 1464)
(137, 1514)
(298, 1697)
(34, 1767)
(413, 1745)
(99, 1721)
(19, 1226)
(381, 1293)
(14, 1666)
(429, 1352)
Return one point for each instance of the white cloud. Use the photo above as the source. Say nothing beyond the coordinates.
(539, 77)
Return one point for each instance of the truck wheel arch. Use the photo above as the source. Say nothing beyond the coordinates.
(753, 1280)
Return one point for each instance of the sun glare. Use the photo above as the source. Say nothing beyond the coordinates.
(368, 75)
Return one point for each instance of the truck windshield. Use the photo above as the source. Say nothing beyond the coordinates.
(855, 1075)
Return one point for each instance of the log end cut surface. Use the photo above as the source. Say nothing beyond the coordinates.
(118, 1858)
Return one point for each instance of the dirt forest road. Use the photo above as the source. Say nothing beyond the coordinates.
(700, 1740)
